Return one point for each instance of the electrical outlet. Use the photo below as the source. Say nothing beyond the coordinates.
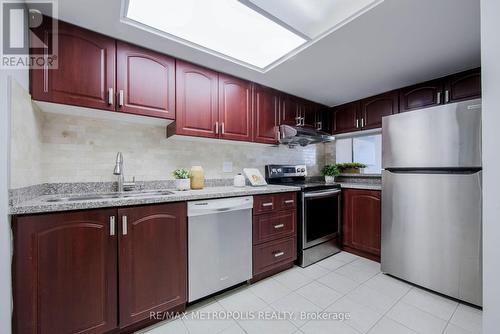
(227, 166)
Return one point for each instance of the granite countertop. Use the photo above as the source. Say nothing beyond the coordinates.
(361, 185)
(40, 204)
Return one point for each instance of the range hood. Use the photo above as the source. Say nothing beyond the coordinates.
(295, 135)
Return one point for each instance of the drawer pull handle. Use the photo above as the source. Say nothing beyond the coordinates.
(278, 254)
(289, 201)
(279, 226)
(267, 204)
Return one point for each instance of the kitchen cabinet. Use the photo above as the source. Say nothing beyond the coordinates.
(372, 109)
(145, 82)
(463, 86)
(274, 233)
(308, 114)
(361, 222)
(345, 118)
(94, 271)
(65, 273)
(197, 102)
(325, 120)
(289, 111)
(152, 260)
(235, 108)
(423, 95)
(266, 115)
(86, 69)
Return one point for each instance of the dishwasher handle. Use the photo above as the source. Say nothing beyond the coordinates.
(208, 207)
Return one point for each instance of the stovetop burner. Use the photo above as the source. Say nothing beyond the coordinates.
(295, 175)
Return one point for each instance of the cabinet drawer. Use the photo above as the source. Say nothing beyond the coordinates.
(287, 200)
(272, 202)
(264, 203)
(271, 226)
(272, 254)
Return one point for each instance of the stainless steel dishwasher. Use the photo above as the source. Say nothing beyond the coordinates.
(219, 244)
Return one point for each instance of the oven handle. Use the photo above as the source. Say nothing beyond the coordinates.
(317, 194)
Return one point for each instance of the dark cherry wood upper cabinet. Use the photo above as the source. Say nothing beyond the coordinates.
(374, 108)
(289, 110)
(309, 114)
(463, 86)
(235, 108)
(325, 120)
(86, 69)
(145, 82)
(427, 94)
(152, 261)
(362, 222)
(346, 118)
(196, 101)
(65, 274)
(266, 115)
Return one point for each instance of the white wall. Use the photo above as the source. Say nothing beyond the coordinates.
(5, 233)
(490, 53)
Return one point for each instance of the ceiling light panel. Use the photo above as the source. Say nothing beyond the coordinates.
(226, 27)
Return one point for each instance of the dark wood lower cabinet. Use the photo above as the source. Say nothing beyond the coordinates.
(361, 222)
(152, 262)
(65, 273)
(94, 272)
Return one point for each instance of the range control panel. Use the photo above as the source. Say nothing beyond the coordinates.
(279, 171)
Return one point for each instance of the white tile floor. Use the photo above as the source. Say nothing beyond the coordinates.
(377, 304)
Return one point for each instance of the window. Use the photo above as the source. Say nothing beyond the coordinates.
(364, 149)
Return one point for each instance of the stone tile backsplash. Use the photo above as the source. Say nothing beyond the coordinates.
(57, 148)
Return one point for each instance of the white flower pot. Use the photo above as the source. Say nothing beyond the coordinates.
(329, 179)
(183, 184)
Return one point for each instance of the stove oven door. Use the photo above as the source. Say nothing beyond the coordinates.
(320, 216)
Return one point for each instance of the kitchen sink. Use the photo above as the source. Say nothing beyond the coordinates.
(91, 197)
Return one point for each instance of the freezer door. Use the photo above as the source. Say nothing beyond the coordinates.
(431, 231)
(447, 136)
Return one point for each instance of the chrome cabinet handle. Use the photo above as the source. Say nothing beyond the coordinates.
(216, 128)
(222, 128)
(110, 96)
(357, 123)
(362, 122)
(438, 98)
(124, 225)
(120, 98)
(278, 254)
(289, 201)
(267, 204)
(112, 220)
(279, 226)
(446, 96)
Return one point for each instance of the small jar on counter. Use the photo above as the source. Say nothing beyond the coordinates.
(197, 177)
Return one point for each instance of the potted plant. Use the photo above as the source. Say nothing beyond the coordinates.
(330, 172)
(182, 181)
(350, 167)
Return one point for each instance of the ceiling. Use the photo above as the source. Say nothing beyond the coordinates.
(398, 43)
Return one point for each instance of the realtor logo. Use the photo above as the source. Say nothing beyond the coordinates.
(29, 34)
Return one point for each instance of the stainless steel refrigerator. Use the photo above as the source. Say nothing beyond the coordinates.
(431, 199)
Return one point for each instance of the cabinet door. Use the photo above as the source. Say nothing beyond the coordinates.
(362, 221)
(145, 81)
(309, 110)
(86, 73)
(463, 86)
(196, 101)
(266, 114)
(427, 94)
(289, 110)
(235, 108)
(325, 120)
(64, 273)
(346, 118)
(152, 260)
(376, 107)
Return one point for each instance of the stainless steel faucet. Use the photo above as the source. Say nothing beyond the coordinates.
(119, 171)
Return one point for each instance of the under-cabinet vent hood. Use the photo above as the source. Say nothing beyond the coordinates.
(295, 135)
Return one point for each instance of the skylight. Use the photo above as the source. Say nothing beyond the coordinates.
(226, 27)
